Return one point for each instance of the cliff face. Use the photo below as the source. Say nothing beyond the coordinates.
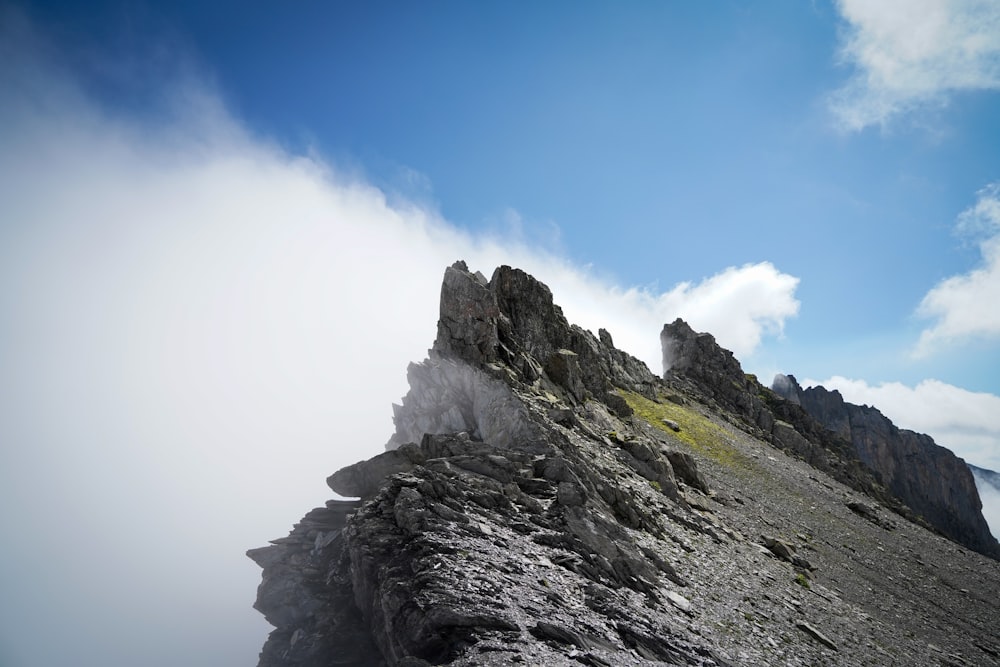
(931, 480)
(546, 499)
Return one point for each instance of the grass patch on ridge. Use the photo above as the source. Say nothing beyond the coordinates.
(699, 432)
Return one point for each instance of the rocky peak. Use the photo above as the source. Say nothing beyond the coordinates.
(713, 370)
(829, 409)
(500, 334)
(510, 318)
(545, 499)
(687, 350)
(469, 315)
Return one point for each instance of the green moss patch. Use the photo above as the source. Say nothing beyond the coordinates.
(700, 433)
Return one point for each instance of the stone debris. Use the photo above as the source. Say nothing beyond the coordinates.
(816, 634)
(786, 552)
(869, 513)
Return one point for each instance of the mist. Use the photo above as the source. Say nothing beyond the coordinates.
(990, 495)
(197, 326)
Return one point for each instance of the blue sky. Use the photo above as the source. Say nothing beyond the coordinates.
(223, 228)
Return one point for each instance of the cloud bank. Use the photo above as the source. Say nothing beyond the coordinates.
(966, 422)
(965, 306)
(196, 327)
(912, 54)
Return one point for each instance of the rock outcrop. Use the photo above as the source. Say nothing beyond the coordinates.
(546, 500)
(933, 482)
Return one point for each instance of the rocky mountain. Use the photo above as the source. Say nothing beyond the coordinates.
(547, 500)
(929, 479)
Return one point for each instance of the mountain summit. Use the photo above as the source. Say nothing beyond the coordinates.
(546, 499)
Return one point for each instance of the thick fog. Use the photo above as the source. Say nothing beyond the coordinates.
(196, 328)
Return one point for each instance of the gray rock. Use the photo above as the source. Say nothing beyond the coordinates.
(364, 479)
(786, 552)
(570, 494)
(449, 396)
(779, 548)
(550, 631)
(816, 634)
(686, 468)
(679, 601)
(868, 512)
(467, 327)
(563, 368)
(618, 405)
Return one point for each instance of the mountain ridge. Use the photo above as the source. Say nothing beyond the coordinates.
(930, 479)
(546, 499)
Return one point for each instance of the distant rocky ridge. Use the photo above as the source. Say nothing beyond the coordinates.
(933, 482)
(696, 361)
(547, 500)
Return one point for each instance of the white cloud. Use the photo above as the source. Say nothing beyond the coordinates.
(910, 54)
(964, 306)
(990, 496)
(196, 327)
(966, 422)
(739, 305)
(742, 304)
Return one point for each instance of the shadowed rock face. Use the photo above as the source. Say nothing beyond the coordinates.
(930, 479)
(546, 500)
